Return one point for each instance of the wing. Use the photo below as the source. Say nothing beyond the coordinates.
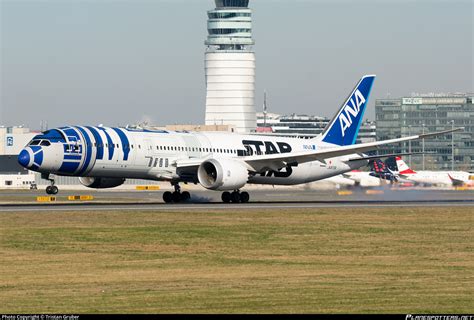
(277, 161)
(259, 163)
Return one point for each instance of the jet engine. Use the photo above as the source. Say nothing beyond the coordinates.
(222, 174)
(101, 183)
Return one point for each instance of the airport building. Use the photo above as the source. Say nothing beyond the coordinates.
(12, 175)
(429, 113)
(230, 66)
(306, 126)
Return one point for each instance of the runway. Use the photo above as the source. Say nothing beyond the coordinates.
(11, 201)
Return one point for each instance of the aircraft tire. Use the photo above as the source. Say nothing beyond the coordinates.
(54, 190)
(48, 190)
(226, 197)
(177, 197)
(186, 196)
(244, 197)
(235, 197)
(167, 197)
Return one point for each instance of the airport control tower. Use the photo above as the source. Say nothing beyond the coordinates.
(230, 66)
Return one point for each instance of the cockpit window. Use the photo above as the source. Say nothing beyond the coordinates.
(35, 142)
(45, 143)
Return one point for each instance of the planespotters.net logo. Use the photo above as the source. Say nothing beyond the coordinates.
(438, 317)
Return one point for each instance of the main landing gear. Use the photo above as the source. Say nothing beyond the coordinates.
(52, 189)
(177, 196)
(235, 197)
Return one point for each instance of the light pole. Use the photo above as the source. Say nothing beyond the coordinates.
(452, 146)
(423, 145)
(409, 145)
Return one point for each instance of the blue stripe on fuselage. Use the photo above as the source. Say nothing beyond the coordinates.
(39, 158)
(88, 144)
(99, 143)
(72, 157)
(125, 143)
(109, 142)
(69, 167)
(71, 132)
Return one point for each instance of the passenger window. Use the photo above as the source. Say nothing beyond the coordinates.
(161, 162)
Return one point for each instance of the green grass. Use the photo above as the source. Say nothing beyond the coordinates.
(300, 261)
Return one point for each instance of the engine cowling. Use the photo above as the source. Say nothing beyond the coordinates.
(222, 174)
(101, 183)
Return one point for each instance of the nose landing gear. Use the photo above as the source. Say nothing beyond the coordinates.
(177, 196)
(52, 189)
(235, 197)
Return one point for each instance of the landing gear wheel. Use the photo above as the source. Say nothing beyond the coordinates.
(167, 197)
(244, 197)
(235, 197)
(185, 196)
(226, 197)
(177, 197)
(49, 190)
(54, 190)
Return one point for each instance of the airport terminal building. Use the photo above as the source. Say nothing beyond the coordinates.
(12, 175)
(428, 113)
(306, 126)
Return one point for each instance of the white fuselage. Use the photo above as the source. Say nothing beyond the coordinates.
(154, 155)
(437, 177)
(364, 179)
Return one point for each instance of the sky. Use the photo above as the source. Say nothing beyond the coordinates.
(90, 62)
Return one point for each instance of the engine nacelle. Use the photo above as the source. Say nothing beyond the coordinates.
(101, 183)
(222, 174)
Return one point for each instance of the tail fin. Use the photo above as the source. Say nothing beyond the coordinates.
(344, 127)
(378, 166)
(403, 168)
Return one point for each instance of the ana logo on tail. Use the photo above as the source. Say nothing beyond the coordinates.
(343, 129)
(351, 111)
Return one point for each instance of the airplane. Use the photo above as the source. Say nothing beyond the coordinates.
(362, 178)
(105, 157)
(378, 175)
(340, 181)
(448, 178)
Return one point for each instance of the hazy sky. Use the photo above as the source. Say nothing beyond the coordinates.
(119, 62)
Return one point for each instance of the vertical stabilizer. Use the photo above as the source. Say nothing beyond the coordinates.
(344, 127)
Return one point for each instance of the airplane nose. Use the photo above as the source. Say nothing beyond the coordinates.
(24, 158)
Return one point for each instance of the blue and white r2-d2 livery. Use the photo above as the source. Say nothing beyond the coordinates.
(104, 157)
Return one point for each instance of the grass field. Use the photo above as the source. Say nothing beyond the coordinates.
(418, 260)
